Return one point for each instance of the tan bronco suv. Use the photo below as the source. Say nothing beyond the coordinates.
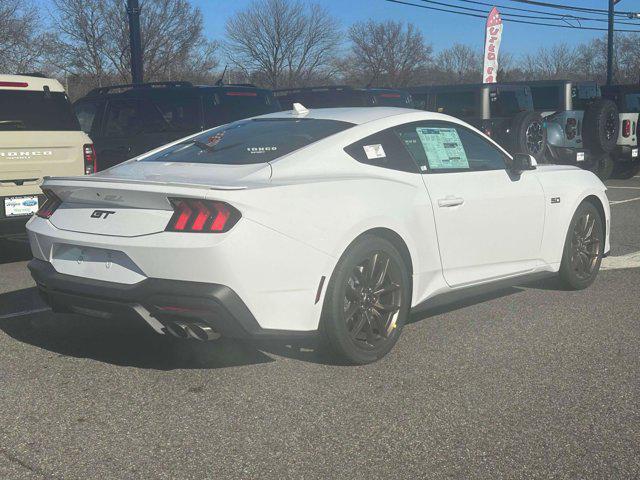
(39, 136)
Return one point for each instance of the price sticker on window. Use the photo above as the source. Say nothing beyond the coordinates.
(374, 151)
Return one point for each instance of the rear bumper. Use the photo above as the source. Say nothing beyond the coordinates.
(166, 300)
(626, 153)
(569, 156)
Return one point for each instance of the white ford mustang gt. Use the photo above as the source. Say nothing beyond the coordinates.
(334, 222)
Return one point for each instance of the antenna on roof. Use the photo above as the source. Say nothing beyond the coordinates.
(299, 109)
(220, 81)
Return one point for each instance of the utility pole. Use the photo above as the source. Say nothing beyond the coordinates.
(610, 42)
(135, 41)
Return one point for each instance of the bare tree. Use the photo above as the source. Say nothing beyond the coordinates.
(387, 53)
(282, 42)
(459, 64)
(555, 62)
(22, 40)
(94, 40)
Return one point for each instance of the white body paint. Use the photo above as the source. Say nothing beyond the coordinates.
(300, 213)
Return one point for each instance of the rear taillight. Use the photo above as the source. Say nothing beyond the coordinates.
(571, 129)
(201, 216)
(14, 84)
(90, 159)
(50, 205)
(626, 128)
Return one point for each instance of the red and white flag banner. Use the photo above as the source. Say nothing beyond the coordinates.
(493, 37)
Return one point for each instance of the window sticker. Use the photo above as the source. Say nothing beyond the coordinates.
(443, 148)
(374, 151)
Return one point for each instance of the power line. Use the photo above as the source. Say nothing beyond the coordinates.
(569, 7)
(483, 15)
(550, 14)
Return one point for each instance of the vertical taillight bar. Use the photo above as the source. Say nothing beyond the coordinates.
(90, 159)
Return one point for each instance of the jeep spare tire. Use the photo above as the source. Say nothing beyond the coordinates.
(601, 126)
(528, 135)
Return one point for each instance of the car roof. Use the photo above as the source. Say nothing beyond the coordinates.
(355, 115)
(29, 83)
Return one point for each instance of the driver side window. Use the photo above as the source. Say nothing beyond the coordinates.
(442, 147)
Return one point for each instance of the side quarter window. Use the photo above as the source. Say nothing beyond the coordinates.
(383, 149)
(441, 147)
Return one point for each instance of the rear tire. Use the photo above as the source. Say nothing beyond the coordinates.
(366, 308)
(601, 126)
(603, 166)
(528, 135)
(583, 248)
(626, 170)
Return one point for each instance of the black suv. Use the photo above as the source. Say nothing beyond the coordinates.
(343, 96)
(127, 120)
(502, 111)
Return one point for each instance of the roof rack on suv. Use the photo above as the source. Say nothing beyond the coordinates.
(105, 90)
(32, 74)
(249, 85)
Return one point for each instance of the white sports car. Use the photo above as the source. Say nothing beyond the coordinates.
(333, 222)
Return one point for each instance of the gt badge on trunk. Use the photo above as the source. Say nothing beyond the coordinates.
(102, 213)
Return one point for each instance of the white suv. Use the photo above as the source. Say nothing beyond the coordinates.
(39, 136)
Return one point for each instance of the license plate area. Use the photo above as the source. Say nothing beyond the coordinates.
(95, 263)
(20, 206)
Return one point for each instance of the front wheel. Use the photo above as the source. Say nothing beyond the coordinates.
(583, 248)
(367, 301)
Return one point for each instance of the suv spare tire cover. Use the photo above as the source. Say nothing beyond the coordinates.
(601, 126)
(528, 135)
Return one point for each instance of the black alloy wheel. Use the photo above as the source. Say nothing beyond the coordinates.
(535, 138)
(367, 301)
(584, 248)
(372, 300)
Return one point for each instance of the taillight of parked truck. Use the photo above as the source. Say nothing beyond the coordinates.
(571, 128)
(90, 159)
(626, 128)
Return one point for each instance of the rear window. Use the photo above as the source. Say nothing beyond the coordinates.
(457, 104)
(546, 98)
(506, 103)
(227, 106)
(250, 141)
(37, 111)
(632, 102)
(392, 99)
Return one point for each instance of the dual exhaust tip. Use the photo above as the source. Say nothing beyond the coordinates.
(192, 329)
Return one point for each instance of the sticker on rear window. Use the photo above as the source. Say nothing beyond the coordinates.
(374, 151)
(254, 150)
(443, 148)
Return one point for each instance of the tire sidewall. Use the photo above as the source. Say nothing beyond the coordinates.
(520, 124)
(333, 328)
(567, 274)
(594, 126)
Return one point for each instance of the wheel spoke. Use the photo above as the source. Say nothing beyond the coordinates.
(360, 323)
(383, 273)
(369, 328)
(351, 311)
(370, 273)
(380, 321)
(351, 293)
(590, 226)
(386, 308)
(388, 289)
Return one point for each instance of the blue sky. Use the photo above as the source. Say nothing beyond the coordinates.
(439, 28)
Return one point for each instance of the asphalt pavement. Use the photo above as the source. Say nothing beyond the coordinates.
(525, 382)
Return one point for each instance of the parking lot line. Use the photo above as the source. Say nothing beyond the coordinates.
(632, 188)
(631, 260)
(23, 313)
(616, 202)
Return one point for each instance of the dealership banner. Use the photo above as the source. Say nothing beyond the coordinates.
(493, 36)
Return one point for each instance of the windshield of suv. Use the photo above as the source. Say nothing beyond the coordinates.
(250, 141)
(583, 96)
(457, 104)
(36, 111)
(546, 99)
(506, 103)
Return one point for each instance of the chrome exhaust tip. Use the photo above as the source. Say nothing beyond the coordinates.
(203, 332)
(178, 329)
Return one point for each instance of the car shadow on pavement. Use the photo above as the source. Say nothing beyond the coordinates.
(119, 341)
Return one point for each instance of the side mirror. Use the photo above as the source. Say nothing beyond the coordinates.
(523, 162)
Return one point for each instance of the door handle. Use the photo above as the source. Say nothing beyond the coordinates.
(450, 202)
